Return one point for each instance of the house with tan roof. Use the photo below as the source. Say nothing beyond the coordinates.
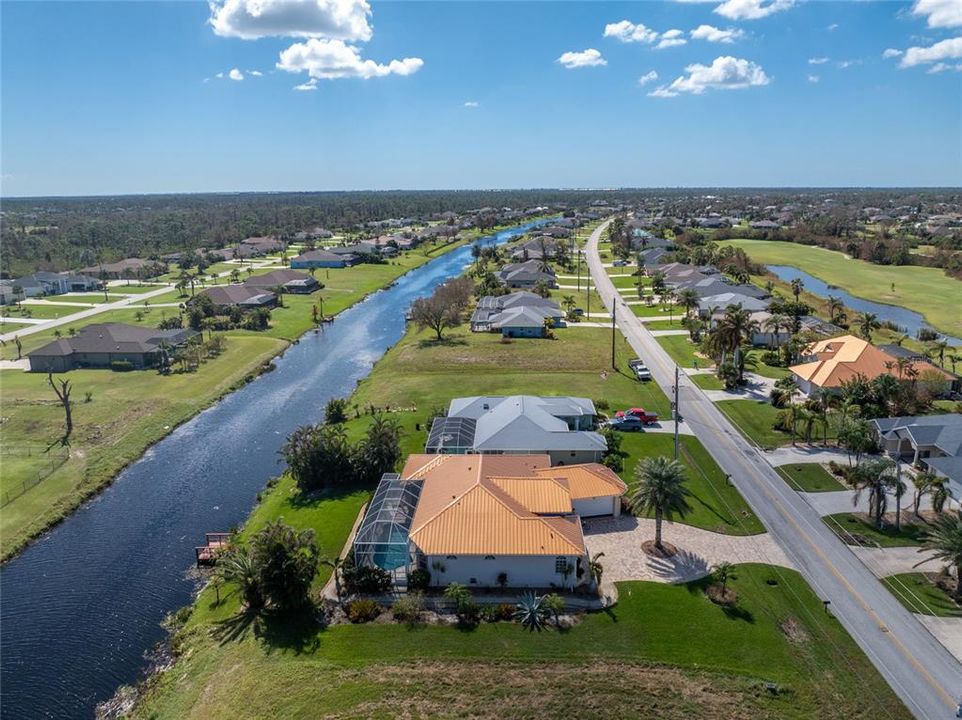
(486, 520)
(830, 363)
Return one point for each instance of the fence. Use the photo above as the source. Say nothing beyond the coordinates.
(47, 463)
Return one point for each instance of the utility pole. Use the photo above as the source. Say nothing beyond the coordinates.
(676, 413)
(588, 280)
(579, 270)
(614, 310)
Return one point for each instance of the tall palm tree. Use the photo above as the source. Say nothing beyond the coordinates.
(569, 302)
(797, 285)
(238, 566)
(775, 324)
(867, 322)
(875, 477)
(660, 488)
(734, 330)
(688, 299)
(938, 350)
(944, 541)
(335, 564)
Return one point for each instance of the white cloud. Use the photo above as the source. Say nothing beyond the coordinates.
(817, 61)
(627, 31)
(253, 19)
(585, 58)
(944, 67)
(717, 35)
(235, 74)
(308, 86)
(833, 27)
(255, 73)
(671, 38)
(752, 9)
(472, 104)
(813, 78)
(950, 49)
(939, 13)
(845, 64)
(648, 77)
(891, 53)
(219, 75)
(332, 59)
(725, 73)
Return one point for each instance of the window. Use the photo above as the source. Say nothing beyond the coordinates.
(489, 557)
(452, 557)
(560, 565)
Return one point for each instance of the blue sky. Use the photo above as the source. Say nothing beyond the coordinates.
(124, 97)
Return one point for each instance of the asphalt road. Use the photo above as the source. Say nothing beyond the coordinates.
(919, 669)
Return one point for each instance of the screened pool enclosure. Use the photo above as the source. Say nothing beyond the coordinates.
(382, 539)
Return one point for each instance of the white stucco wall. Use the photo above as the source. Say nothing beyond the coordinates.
(522, 570)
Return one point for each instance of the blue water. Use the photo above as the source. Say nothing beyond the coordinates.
(79, 608)
(910, 321)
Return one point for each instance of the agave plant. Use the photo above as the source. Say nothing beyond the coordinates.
(532, 612)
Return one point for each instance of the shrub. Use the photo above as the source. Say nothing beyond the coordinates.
(362, 611)
(286, 561)
(121, 366)
(602, 404)
(419, 579)
(489, 613)
(365, 580)
(505, 611)
(335, 412)
(408, 609)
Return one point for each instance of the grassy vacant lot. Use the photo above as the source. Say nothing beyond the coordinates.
(919, 594)
(810, 477)
(682, 351)
(127, 413)
(642, 659)
(925, 290)
(857, 529)
(755, 419)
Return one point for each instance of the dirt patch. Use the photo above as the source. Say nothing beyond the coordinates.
(721, 596)
(494, 690)
(792, 630)
(666, 550)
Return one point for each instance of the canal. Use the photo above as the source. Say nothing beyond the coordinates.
(910, 322)
(82, 605)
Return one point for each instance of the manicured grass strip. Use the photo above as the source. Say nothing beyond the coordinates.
(707, 381)
(809, 477)
(682, 350)
(857, 529)
(928, 291)
(777, 633)
(755, 418)
(919, 594)
(765, 370)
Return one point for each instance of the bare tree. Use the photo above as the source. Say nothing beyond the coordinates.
(63, 395)
(443, 308)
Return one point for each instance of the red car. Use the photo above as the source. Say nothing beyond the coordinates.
(646, 417)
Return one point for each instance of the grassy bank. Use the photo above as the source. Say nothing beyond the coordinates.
(919, 594)
(809, 477)
(927, 291)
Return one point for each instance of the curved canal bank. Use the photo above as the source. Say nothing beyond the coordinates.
(909, 320)
(82, 605)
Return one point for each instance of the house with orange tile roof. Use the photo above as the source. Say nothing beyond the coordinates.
(827, 364)
(487, 520)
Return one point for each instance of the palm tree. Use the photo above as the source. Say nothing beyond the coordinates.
(867, 322)
(238, 566)
(944, 540)
(688, 299)
(797, 285)
(722, 573)
(595, 568)
(938, 350)
(927, 483)
(775, 324)
(660, 488)
(734, 330)
(569, 302)
(874, 476)
(835, 308)
(235, 275)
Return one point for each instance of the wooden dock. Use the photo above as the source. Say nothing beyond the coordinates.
(214, 544)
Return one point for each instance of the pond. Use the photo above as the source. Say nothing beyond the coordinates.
(910, 322)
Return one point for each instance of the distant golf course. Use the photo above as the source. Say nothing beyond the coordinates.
(927, 291)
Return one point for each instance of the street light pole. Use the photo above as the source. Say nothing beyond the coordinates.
(677, 414)
(614, 311)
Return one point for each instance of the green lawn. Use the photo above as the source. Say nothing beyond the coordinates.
(707, 381)
(925, 290)
(718, 659)
(666, 324)
(96, 298)
(766, 370)
(755, 419)
(919, 594)
(856, 529)
(809, 477)
(716, 505)
(682, 351)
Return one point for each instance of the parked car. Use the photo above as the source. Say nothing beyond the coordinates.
(619, 263)
(578, 311)
(648, 418)
(627, 423)
(640, 370)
